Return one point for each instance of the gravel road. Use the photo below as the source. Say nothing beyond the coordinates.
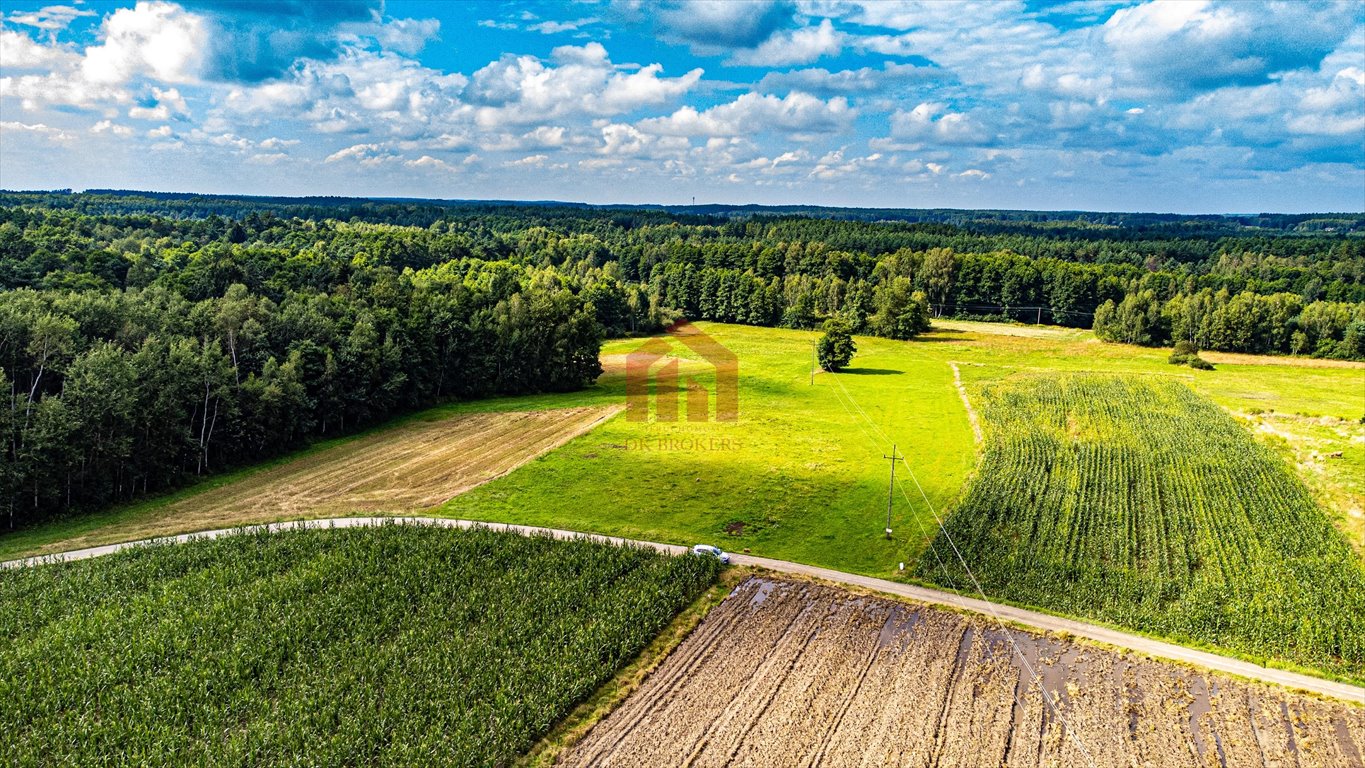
(1009, 614)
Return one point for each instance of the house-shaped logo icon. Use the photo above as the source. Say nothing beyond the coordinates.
(652, 362)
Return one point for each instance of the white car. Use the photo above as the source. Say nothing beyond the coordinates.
(706, 550)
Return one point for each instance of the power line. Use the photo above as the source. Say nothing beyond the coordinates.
(1033, 673)
(953, 597)
(873, 442)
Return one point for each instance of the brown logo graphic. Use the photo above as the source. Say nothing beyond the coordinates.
(652, 362)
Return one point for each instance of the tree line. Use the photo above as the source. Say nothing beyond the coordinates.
(115, 393)
(142, 347)
(1242, 322)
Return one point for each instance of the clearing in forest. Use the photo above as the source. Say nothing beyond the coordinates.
(408, 468)
(1135, 501)
(789, 673)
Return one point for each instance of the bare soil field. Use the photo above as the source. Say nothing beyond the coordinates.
(789, 673)
(407, 469)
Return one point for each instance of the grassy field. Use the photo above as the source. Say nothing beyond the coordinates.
(1134, 501)
(1301, 386)
(795, 477)
(395, 645)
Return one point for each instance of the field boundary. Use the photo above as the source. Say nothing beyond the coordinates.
(584, 717)
(1032, 619)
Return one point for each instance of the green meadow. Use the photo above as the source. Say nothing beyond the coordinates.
(796, 477)
(801, 476)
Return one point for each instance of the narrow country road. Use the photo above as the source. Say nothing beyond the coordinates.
(1005, 613)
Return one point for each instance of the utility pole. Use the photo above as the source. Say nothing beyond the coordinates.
(1040, 316)
(891, 489)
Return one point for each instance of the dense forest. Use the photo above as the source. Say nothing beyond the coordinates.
(146, 339)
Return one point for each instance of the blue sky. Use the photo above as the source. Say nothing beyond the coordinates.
(1155, 106)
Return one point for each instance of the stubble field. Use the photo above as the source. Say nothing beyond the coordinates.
(409, 468)
(798, 674)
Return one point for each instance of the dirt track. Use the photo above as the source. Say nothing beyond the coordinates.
(797, 674)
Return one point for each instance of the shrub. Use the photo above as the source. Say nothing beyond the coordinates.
(837, 347)
(1184, 350)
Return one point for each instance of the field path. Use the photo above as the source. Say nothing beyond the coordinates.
(966, 403)
(1005, 613)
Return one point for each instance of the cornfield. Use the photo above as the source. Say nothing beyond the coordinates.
(392, 645)
(1138, 503)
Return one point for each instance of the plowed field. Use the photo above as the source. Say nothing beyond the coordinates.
(796, 674)
(406, 469)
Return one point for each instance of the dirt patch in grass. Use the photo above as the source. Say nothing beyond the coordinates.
(414, 467)
(790, 673)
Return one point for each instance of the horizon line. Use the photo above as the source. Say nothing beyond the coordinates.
(549, 203)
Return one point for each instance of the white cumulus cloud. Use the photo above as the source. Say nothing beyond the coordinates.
(153, 38)
(796, 113)
(932, 123)
(798, 46)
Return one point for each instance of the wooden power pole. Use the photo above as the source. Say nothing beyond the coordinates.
(891, 489)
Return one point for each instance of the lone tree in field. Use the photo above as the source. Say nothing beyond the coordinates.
(836, 348)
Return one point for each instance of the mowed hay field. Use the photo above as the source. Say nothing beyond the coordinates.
(797, 674)
(1137, 502)
(791, 479)
(409, 468)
